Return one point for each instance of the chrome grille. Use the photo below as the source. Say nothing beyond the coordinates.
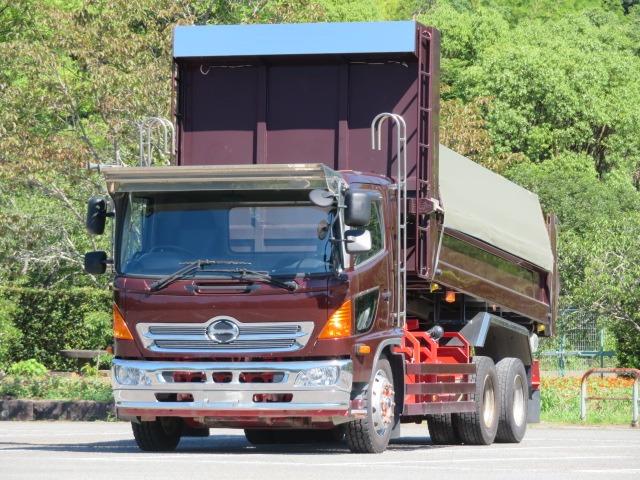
(209, 345)
(244, 329)
(252, 337)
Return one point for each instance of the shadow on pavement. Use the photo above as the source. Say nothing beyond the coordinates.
(228, 444)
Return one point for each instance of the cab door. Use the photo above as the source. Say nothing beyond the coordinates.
(371, 274)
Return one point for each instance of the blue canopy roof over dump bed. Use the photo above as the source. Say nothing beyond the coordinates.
(294, 39)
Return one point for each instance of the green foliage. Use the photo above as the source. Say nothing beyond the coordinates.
(10, 335)
(54, 320)
(97, 326)
(544, 91)
(564, 85)
(103, 361)
(57, 387)
(28, 368)
(89, 370)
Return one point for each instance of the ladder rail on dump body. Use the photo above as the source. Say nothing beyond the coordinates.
(401, 205)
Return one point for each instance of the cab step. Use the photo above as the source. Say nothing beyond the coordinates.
(440, 368)
(440, 388)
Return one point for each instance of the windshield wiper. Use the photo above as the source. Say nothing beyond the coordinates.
(241, 273)
(189, 268)
(244, 273)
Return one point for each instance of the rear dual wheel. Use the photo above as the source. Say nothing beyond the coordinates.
(480, 426)
(500, 414)
(514, 393)
(441, 429)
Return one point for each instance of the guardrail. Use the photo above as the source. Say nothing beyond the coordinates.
(634, 392)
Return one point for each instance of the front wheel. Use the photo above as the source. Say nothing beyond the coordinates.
(372, 433)
(162, 435)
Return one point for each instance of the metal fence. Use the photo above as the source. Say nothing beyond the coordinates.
(578, 346)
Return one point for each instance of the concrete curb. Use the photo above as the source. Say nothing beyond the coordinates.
(80, 410)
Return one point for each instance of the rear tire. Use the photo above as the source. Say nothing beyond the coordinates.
(480, 426)
(441, 429)
(514, 394)
(372, 433)
(162, 435)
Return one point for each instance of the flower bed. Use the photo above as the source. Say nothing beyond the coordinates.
(561, 400)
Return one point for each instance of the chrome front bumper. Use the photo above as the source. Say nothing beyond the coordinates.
(233, 398)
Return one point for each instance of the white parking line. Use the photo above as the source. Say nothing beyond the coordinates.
(608, 471)
(236, 461)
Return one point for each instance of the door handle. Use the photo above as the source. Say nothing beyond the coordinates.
(386, 295)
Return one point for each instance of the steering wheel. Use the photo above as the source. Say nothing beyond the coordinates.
(292, 263)
(172, 248)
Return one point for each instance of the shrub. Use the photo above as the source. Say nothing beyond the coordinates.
(54, 320)
(57, 387)
(89, 370)
(97, 326)
(28, 368)
(9, 335)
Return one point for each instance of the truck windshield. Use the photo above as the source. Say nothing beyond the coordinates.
(162, 232)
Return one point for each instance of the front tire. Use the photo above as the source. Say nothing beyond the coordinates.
(514, 393)
(162, 435)
(372, 433)
(480, 426)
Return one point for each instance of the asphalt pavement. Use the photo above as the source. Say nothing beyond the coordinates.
(96, 450)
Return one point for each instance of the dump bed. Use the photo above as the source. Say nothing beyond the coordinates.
(307, 93)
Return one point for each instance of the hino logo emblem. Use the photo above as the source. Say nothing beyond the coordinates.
(223, 331)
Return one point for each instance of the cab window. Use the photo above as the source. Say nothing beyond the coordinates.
(377, 236)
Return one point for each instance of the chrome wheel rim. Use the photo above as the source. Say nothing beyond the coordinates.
(488, 402)
(382, 403)
(518, 401)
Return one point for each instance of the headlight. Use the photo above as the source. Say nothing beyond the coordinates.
(318, 377)
(130, 376)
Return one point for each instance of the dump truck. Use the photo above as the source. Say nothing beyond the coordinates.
(310, 260)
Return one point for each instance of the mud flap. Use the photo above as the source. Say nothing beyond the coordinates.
(533, 407)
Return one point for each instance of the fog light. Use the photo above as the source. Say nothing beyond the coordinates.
(130, 376)
(318, 377)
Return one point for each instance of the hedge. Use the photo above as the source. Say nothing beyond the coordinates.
(53, 320)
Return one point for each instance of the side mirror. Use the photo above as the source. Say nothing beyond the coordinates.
(96, 215)
(358, 208)
(95, 262)
(358, 241)
(321, 198)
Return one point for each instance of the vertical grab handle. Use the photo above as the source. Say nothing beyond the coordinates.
(401, 205)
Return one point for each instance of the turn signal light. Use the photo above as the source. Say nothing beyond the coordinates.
(450, 296)
(120, 329)
(339, 323)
